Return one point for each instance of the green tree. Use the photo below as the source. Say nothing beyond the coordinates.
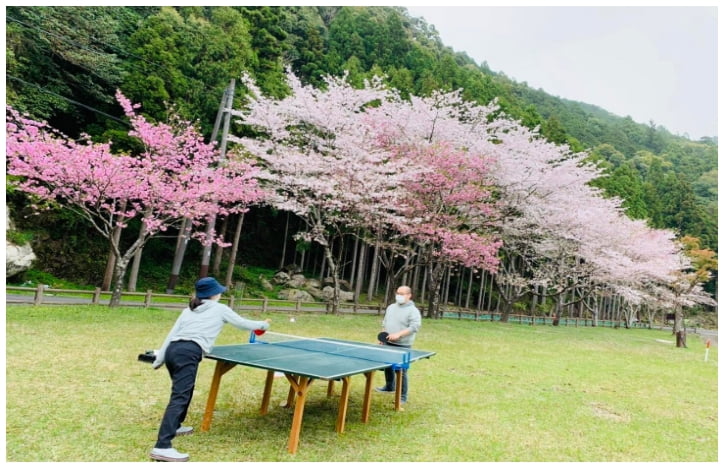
(186, 57)
(63, 62)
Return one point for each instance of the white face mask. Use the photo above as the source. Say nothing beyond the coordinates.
(400, 299)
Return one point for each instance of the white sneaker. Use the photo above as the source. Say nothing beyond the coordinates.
(184, 430)
(168, 455)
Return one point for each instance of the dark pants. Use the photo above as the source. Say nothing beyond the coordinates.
(182, 361)
(390, 377)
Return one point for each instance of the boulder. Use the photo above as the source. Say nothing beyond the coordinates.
(316, 293)
(18, 258)
(297, 281)
(281, 277)
(265, 283)
(295, 295)
(343, 284)
(344, 296)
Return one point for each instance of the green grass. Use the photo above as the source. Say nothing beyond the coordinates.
(493, 392)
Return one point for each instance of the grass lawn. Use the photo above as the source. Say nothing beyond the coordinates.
(493, 392)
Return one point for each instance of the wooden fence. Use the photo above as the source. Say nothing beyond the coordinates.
(43, 295)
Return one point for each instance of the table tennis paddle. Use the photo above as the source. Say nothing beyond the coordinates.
(148, 356)
(382, 337)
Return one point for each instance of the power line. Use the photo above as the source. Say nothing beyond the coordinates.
(93, 109)
(82, 46)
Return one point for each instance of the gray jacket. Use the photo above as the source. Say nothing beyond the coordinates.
(203, 325)
(399, 317)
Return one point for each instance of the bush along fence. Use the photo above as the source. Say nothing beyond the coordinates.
(42, 295)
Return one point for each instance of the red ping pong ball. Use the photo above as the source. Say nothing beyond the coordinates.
(259, 332)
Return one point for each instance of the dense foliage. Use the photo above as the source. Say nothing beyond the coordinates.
(65, 63)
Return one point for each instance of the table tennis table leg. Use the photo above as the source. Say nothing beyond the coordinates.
(267, 392)
(343, 404)
(292, 392)
(398, 389)
(366, 404)
(301, 387)
(221, 369)
(330, 388)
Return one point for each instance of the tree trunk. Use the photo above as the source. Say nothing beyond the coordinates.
(436, 274)
(282, 260)
(135, 266)
(136, 262)
(111, 263)
(216, 267)
(679, 328)
(206, 252)
(374, 271)
(360, 271)
(333, 270)
(118, 275)
(234, 250)
(181, 243)
(557, 310)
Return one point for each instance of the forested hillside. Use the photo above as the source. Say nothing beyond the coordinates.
(64, 65)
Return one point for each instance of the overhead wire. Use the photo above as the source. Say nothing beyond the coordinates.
(91, 108)
(87, 49)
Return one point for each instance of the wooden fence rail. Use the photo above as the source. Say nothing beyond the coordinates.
(43, 295)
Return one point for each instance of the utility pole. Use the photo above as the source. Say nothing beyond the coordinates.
(206, 255)
(185, 231)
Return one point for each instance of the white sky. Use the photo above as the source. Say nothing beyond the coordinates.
(649, 62)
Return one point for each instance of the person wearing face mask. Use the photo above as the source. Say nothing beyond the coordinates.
(402, 322)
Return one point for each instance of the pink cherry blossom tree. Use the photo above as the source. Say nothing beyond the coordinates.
(444, 219)
(561, 235)
(341, 157)
(176, 176)
(320, 158)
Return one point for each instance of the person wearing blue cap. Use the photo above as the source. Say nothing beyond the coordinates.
(192, 336)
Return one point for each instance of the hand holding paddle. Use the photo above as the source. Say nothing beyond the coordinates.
(383, 337)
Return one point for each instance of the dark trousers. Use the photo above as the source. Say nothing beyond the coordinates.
(390, 377)
(182, 361)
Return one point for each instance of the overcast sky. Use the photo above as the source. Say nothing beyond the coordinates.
(650, 63)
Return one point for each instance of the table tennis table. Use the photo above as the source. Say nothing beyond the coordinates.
(302, 361)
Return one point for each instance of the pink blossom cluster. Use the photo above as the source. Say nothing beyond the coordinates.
(176, 175)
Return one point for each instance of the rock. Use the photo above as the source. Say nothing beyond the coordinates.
(297, 281)
(316, 293)
(295, 295)
(344, 296)
(265, 283)
(281, 277)
(18, 258)
(343, 284)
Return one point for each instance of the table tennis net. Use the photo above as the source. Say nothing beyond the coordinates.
(368, 352)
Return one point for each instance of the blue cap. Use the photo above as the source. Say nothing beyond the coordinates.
(207, 287)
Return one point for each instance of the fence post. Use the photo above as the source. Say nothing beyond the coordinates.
(38, 295)
(298, 307)
(96, 296)
(147, 299)
(231, 302)
(264, 305)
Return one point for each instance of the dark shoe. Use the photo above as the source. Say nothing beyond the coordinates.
(384, 390)
(184, 430)
(168, 455)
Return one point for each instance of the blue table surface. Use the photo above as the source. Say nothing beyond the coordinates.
(322, 358)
